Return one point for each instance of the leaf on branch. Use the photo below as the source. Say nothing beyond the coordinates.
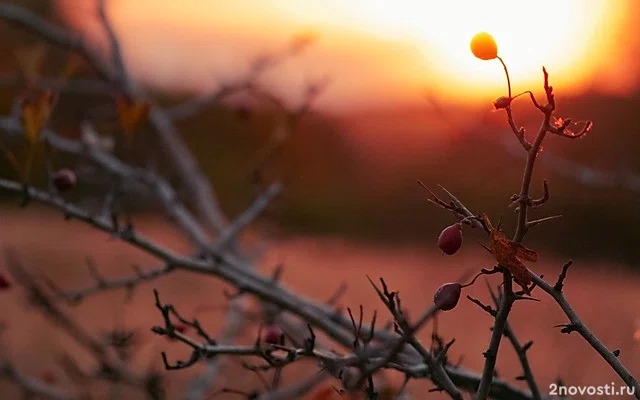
(509, 254)
(30, 60)
(130, 113)
(35, 113)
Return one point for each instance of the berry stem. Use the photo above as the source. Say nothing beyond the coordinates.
(506, 72)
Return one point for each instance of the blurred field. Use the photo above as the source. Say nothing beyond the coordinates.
(606, 297)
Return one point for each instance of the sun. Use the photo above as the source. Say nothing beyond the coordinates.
(383, 52)
(562, 35)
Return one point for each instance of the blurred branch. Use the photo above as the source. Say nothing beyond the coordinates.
(224, 266)
(107, 360)
(56, 35)
(86, 86)
(248, 83)
(31, 386)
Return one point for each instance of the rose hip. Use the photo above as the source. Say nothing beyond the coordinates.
(450, 239)
(447, 296)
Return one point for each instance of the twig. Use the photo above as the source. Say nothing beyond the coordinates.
(521, 352)
(578, 326)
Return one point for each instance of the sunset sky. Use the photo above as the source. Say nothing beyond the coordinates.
(378, 52)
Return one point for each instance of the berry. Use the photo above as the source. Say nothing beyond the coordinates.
(64, 179)
(5, 283)
(484, 46)
(450, 239)
(447, 296)
(274, 335)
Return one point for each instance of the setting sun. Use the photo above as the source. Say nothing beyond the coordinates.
(565, 35)
(380, 52)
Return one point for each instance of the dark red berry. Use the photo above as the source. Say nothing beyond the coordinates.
(450, 239)
(447, 296)
(49, 377)
(5, 283)
(274, 335)
(64, 179)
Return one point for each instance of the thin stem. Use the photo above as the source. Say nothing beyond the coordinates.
(506, 72)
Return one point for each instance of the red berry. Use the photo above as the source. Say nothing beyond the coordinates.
(274, 335)
(447, 296)
(64, 179)
(502, 102)
(5, 283)
(450, 239)
(49, 377)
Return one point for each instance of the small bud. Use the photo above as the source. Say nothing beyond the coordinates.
(274, 335)
(5, 283)
(447, 296)
(450, 239)
(64, 179)
(484, 46)
(502, 102)
(180, 328)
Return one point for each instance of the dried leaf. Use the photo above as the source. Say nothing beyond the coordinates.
(30, 60)
(35, 113)
(526, 254)
(508, 254)
(130, 114)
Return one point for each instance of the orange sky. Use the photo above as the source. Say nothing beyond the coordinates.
(379, 52)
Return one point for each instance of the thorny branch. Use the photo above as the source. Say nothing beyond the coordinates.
(369, 348)
(524, 202)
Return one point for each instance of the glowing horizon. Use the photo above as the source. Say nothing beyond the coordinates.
(380, 53)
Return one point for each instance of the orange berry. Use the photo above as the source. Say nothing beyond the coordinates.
(484, 46)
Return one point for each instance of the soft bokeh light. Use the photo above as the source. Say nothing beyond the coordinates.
(382, 52)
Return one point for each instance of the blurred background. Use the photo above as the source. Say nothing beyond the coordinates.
(405, 100)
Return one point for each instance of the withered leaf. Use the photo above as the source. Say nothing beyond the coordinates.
(35, 112)
(509, 254)
(130, 113)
